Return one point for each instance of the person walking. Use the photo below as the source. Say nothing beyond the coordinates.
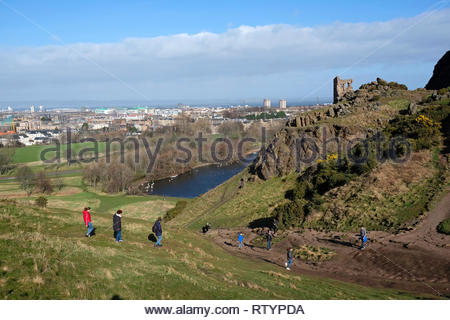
(363, 237)
(275, 225)
(206, 228)
(88, 221)
(241, 240)
(269, 237)
(290, 258)
(157, 229)
(117, 225)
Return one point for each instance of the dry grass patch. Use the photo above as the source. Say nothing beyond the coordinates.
(67, 191)
(314, 254)
(148, 210)
(74, 205)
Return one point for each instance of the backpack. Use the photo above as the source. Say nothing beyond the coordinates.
(154, 228)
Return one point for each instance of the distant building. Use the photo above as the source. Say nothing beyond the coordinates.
(10, 109)
(41, 109)
(32, 109)
(267, 103)
(283, 104)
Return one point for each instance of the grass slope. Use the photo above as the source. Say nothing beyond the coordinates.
(229, 206)
(44, 255)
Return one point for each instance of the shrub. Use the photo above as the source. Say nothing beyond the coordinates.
(172, 213)
(444, 227)
(26, 178)
(398, 86)
(313, 254)
(43, 184)
(290, 214)
(41, 201)
(443, 91)
(423, 130)
(6, 156)
(59, 183)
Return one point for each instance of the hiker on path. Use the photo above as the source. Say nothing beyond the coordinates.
(88, 221)
(241, 240)
(117, 225)
(206, 228)
(290, 257)
(363, 237)
(269, 237)
(157, 229)
(275, 225)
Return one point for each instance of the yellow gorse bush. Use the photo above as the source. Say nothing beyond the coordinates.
(331, 156)
(427, 122)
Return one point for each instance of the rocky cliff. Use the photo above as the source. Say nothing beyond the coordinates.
(297, 148)
(288, 152)
(441, 74)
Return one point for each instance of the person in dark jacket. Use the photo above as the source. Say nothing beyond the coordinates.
(157, 229)
(275, 225)
(269, 237)
(117, 225)
(206, 228)
(290, 258)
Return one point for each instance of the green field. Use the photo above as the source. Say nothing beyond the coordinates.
(44, 255)
(33, 153)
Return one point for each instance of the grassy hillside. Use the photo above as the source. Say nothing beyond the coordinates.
(390, 197)
(380, 194)
(75, 195)
(44, 255)
(229, 206)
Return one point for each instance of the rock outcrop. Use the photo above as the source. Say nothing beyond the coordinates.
(286, 153)
(441, 74)
(296, 148)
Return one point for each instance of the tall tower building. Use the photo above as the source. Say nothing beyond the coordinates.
(267, 103)
(283, 104)
(32, 109)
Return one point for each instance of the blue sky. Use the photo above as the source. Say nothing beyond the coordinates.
(109, 21)
(133, 50)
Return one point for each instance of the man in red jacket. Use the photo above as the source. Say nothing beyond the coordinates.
(87, 221)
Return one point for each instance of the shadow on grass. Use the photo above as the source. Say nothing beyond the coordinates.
(151, 237)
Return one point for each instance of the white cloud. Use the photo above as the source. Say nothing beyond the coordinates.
(279, 60)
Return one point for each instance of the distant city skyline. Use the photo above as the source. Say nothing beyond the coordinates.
(203, 52)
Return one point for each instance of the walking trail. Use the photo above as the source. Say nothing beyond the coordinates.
(416, 260)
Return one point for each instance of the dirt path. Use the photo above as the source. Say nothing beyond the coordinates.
(417, 260)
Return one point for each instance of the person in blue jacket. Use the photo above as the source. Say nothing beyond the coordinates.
(241, 240)
(157, 229)
(363, 237)
(290, 258)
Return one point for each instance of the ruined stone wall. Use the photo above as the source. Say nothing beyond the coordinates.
(340, 88)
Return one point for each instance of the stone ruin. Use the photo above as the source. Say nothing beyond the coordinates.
(341, 87)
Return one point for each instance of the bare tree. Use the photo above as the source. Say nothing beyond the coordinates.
(43, 183)
(26, 178)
